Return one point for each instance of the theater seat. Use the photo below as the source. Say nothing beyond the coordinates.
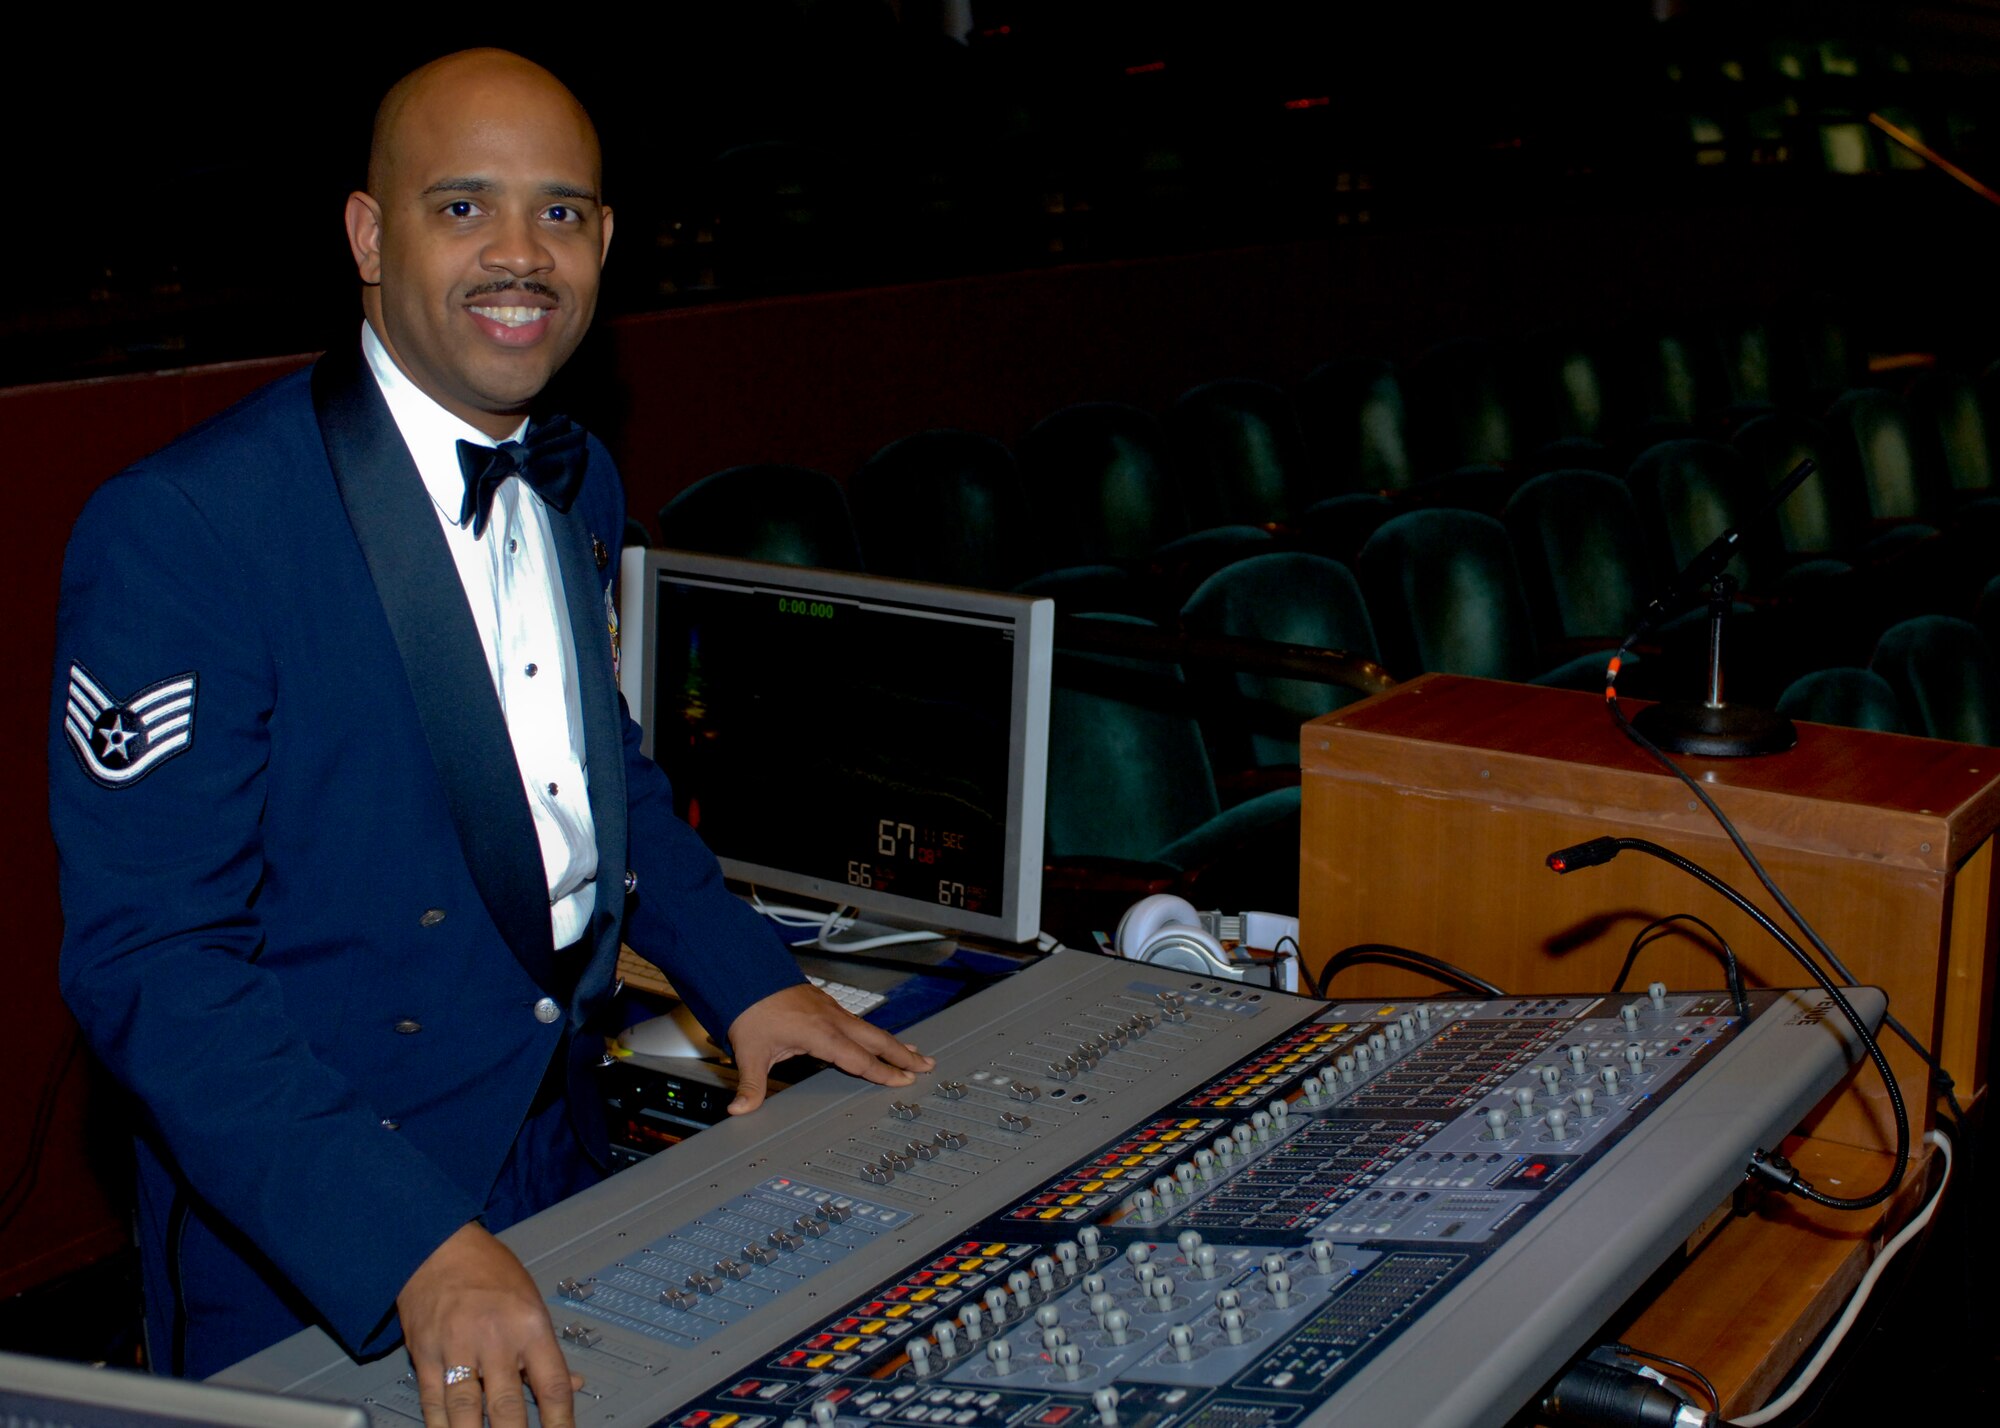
(1101, 483)
(1239, 453)
(1851, 698)
(784, 514)
(944, 507)
(1444, 594)
(1582, 557)
(1351, 413)
(1288, 597)
(1945, 678)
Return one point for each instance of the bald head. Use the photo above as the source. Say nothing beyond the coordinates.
(446, 89)
(481, 234)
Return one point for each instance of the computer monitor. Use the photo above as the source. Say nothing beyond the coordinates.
(52, 1394)
(850, 738)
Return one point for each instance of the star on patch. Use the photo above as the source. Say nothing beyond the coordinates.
(120, 741)
(600, 553)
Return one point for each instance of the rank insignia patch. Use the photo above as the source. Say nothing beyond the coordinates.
(120, 741)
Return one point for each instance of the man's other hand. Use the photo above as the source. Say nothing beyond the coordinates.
(804, 1021)
(472, 1305)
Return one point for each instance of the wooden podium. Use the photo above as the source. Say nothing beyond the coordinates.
(1428, 813)
(1429, 810)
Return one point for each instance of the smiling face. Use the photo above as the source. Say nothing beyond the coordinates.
(480, 240)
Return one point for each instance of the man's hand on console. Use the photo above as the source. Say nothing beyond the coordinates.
(804, 1021)
(477, 1329)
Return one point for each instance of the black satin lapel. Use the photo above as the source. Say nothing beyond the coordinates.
(442, 656)
(603, 736)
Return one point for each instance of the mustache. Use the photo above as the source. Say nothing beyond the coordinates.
(509, 285)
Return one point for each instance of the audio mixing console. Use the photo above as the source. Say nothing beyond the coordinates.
(1131, 1197)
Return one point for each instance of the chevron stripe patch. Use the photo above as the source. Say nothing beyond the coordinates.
(120, 741)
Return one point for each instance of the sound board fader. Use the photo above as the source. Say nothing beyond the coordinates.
(1142, 1199)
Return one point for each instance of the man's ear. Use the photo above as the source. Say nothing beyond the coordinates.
(604, 221)
(364, 236)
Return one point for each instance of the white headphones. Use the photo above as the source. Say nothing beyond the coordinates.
(1166, 931)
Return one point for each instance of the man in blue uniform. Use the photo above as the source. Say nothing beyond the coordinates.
(351, 816)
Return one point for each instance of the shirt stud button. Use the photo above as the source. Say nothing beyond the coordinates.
(553, 790)
(513, 546)
(408, 1027)
(546, 1010)
(631, 882)
(530, 670)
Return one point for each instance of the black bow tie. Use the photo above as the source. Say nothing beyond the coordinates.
(551, 461)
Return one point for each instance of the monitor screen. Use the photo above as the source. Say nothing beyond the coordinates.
(847, 737)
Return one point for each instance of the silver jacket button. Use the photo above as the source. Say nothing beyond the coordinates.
(546, 1010)
(631, 882)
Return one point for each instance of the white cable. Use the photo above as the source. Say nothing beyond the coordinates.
(1806, 1375)
(786, 916)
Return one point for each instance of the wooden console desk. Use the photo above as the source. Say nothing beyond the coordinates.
(1428, 812)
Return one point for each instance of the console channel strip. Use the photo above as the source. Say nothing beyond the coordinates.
(1127, 1197)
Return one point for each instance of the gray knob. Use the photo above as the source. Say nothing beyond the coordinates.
(1240, 1133)
(1577, 1060)
(1657, 992)
(1408, 1023)
(973, 1322)
(1055, 1338)
(1280, 1110)
(1204, 1261)
(1093, 1284)
(1145, 1274)
(1496, 1124)
(1185, 1175)
(1165, 1188)
(1105, 1401)
(1138, 1252)
(1000, 1356)
(1225, 1151)
(1189, 1241)
(1635, 1056)
(1232, 1325)
(1394, 1032)
(825, 1411)
(1069, 1361)
(1118, 1326)
(1586, 1102)
(1228, 1299)
(1314, 1095)
(1204, 1164)
(1024, 1289)
(1066, 1258)
(1048, 1316)
(1162, 1289)
(1558, 1124)
(1609, 1075)
(1260, 1126)
(1525, 1098)
(1143, 1204)
(1045, 1273)
(947, 1340)
(1551, 1078)
(1100, 1305)
(920, 1358)
(1280, 1285)
(1629, 1014)
(996, 1304)
(1182, 1339)
(1379, 1044)
(1272, 1264)
(1322, 1256)
(1345, 1066)
(1424, 1018)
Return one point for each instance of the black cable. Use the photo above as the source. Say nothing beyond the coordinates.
(1730, 970)
(21, 1187)
(1939, 1075)
(1686, 1370)
(1391, 955)
(1601, 850)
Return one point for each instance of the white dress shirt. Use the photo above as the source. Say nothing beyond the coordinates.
(515, 590)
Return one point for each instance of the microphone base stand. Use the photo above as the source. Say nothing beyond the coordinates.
(1713, 729)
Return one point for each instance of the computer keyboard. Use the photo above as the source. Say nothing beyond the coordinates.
(856, 1000)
